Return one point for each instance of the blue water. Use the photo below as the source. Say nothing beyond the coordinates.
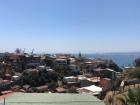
(122, 59)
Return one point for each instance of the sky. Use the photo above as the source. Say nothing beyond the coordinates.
(70, 26)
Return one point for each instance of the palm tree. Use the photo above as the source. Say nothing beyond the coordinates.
(131, 98)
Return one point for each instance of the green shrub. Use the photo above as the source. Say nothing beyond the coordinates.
(52, 85)
(134, 73)
(72, 90)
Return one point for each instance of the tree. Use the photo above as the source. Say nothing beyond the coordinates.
(62, 70)
(30, 77)
(114, 66)
(80, 55)
(131, 98)
(35, 77)
(18, 51)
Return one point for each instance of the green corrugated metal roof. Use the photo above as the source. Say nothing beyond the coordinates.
(51, 99)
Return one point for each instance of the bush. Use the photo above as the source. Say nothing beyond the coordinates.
(72, 90)
(52, 85)
(131, 98)
(134, 73)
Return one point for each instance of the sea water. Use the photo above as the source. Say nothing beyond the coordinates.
(122, 59)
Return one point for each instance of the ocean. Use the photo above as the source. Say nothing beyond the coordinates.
(121, 59)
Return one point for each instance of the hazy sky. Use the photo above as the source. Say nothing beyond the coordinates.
(70, 26)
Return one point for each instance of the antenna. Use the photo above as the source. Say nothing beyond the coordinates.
(24, 50)
(32, 51)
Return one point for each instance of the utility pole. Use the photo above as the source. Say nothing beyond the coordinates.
(4, 101)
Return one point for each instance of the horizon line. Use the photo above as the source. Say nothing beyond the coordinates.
(45, 52)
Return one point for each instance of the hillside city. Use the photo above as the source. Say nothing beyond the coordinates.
(65, 73)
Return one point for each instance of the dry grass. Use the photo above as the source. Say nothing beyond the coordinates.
(116, 94)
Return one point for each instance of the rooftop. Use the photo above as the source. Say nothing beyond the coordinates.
(53, 99)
